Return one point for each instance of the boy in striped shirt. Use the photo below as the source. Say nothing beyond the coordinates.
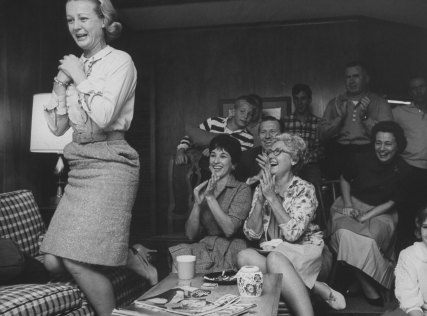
(245, 109)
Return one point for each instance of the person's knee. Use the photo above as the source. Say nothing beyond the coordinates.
(74, 267)
(276, 262)
(243, 257)
(54, 264)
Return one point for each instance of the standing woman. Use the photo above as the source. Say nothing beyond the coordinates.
(94, 95)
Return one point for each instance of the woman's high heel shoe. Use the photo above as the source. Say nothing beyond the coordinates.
(335, 299)
(138, 262)
(144, 251)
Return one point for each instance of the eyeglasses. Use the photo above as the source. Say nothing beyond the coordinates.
(276, 152)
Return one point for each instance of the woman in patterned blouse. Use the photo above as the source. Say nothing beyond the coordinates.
(283, 208)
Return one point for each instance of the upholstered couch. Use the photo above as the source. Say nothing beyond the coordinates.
(21, 221)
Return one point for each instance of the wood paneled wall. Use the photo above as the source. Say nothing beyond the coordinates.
(196, 68)
(181, 76)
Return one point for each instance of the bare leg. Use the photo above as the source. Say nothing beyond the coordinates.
(54, 265)
(250, 257)
(96, 286)
(294, 291)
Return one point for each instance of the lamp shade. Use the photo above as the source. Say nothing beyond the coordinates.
(42, 139)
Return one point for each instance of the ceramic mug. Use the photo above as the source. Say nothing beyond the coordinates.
(249, 281)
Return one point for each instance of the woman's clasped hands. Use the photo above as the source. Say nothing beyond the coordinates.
(73, 67)
(267, 182)
(210, 185)
(355, 213)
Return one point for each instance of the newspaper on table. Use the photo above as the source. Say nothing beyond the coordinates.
(188, 301)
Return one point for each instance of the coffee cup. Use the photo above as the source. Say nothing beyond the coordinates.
(186, 266)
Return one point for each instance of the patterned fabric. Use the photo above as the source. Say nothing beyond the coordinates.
(92, 221)
(218, 125)
(84, 310)
(308, 131)
(127, 285)
(20, 221)
(300, 203)
(38, 299)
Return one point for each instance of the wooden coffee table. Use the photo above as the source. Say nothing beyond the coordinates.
(267, 303)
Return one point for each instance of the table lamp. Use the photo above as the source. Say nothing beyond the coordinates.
(44, 141)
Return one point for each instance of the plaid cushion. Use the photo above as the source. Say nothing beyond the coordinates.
(39, 299)
(21, 221)
(84, 310)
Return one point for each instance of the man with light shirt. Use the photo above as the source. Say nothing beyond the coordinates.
(413, 119)
(349, 117)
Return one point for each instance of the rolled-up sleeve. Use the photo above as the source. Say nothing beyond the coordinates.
(103, 98)
(56, 115)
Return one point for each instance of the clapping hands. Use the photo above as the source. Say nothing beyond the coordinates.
(262, 161)
(267, 183)
(210, 185)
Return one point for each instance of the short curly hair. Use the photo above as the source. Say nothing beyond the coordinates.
(297, 149)
(229, 144)
(393, 128)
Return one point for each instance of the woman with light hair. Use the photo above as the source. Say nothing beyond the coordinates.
(281, 217)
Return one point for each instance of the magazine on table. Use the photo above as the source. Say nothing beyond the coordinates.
(189, 301)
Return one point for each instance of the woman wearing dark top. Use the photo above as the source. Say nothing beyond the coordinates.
(364, 218)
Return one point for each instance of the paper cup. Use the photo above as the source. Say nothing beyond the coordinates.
(186, 267)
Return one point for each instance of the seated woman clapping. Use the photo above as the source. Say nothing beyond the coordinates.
(221, 204)
(283, 207)
(364, 218)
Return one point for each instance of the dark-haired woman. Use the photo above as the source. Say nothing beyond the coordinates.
(364, 218)
(221, 204)
(94, 95)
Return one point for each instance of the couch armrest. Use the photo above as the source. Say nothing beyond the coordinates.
(39, 299)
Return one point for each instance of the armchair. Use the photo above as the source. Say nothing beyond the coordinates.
(21, 221)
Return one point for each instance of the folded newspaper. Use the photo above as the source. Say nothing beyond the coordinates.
(188, 301)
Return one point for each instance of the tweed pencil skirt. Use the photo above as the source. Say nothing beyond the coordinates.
(92, 221)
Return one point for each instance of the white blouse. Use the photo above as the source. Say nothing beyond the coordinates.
(411, 278)
(107, 96)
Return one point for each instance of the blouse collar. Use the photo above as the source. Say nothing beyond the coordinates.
(99, 55)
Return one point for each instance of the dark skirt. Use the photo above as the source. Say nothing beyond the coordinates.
(92, 221)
